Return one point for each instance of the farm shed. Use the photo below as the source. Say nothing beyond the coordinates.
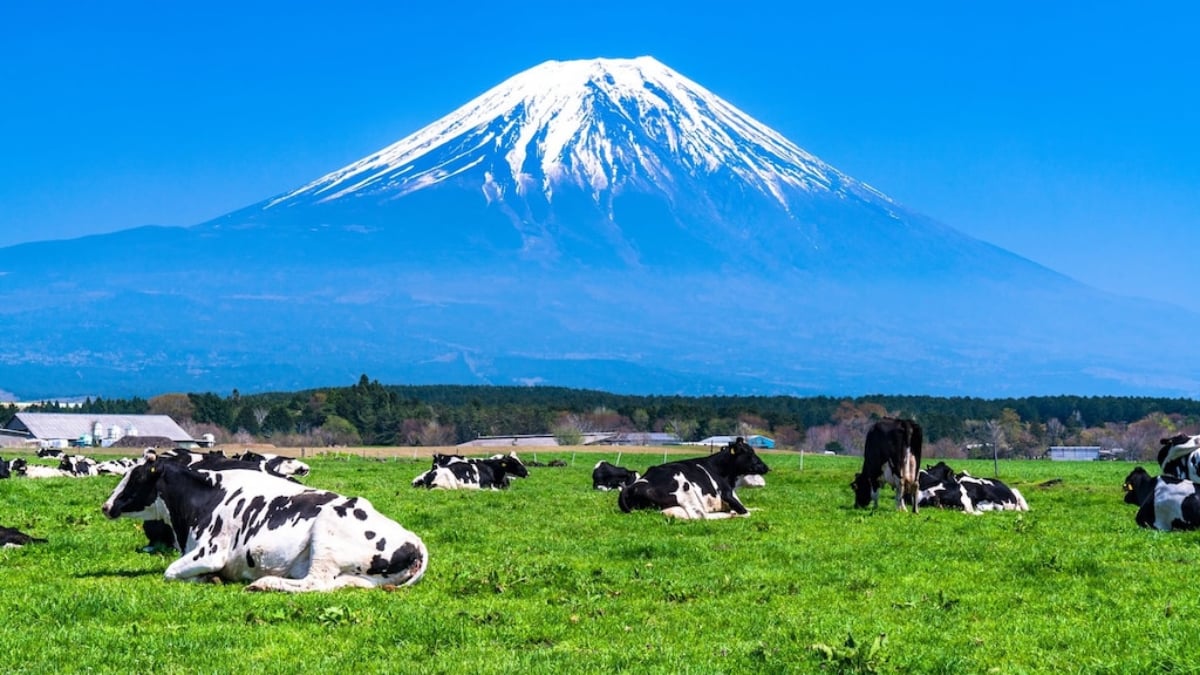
(1074, 453)
(526, 440)
(640, 438)
(61, 430)
(756, 441)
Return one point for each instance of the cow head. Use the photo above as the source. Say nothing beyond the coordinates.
(1177, 445)
(286, 467)
(739, 459)
(137, 495)
(513, 466)
(17, 465)
(866, 491)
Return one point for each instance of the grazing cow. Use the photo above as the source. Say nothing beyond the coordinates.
(77, 466)
(1179, 456)
(1139, 486)
(606, 476)
(991, 495)
(473, 474)
(281, 535)
(1173, 506)
(893, 452)
(699, 488)
(13, 538)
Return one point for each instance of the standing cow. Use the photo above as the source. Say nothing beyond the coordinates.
(281, 535)
(892, 452)
(700, 488)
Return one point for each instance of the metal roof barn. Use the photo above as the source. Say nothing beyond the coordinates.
(103, 429)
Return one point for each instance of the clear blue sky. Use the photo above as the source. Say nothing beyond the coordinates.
(1067, 132)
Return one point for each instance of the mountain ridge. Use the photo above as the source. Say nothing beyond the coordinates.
(632, 231)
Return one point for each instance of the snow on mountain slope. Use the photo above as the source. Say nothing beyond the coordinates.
(599, 125)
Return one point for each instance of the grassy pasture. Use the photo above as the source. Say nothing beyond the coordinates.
(550, 577)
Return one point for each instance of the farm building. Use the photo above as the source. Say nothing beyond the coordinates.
(755, 441)
(62, 430)
(592, 438)
(527, 440)
(1074, 453)
(640, 438)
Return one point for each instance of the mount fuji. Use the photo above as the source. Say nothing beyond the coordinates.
(605, 223)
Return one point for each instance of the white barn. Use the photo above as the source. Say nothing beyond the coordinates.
(61, 430)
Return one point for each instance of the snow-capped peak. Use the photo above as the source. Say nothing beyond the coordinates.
(597, 124)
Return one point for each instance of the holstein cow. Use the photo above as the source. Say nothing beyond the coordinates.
(1139, 486)
(991, 495)
(115, 467)
(473, 474)
(1173, 506)
(160, 536)
(12, 538)
(892, 451)
(23, 469)
(1179, 456)
(606, 476)
(275, 464)
(699, 488)
(939, 488)
(281, 535)
(5, 471)
(77, 466)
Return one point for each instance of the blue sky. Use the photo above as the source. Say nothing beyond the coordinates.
(1066, 132)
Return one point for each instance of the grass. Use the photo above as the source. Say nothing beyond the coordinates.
(551, 577)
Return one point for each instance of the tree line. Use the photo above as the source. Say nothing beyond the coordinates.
(371, 413)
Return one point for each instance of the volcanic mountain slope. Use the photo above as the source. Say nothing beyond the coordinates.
(604, 223)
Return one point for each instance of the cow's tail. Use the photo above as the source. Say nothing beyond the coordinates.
(1022, 505)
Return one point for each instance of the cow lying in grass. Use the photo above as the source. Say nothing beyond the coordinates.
(940, 487)
(13, 538)
(455, 472)
(282, 536)
(700, 488)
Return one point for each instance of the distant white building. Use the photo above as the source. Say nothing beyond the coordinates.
(1074, 453)
(62, 430)
(755, 441)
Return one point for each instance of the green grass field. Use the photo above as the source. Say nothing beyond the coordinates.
(550, 577)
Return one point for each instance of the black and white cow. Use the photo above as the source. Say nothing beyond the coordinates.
(115, 467)
(1179, 456)
(1173, 506)
(991, 495)
(472, 474)
(20, 468)
(892, 452)
(281, 535)
(699, 488)
(13, 538)
(608, 476)
(55, 453)
(160, 536)
(1139, 486)
(77, 466)
(939, 488)
(275, 464)
(5, 471)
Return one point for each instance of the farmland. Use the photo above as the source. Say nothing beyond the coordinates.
(550, 577)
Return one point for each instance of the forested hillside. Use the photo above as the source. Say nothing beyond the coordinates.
(371, 413)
